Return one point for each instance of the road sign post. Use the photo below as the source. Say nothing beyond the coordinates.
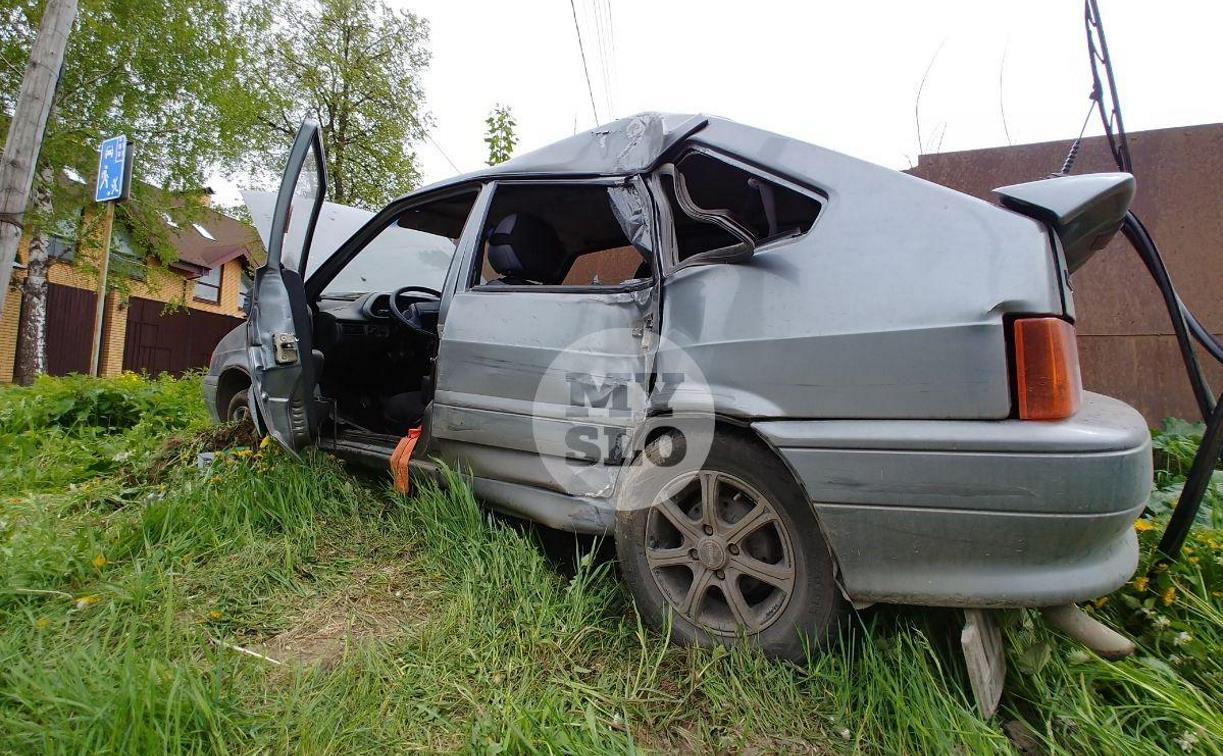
(114, 184)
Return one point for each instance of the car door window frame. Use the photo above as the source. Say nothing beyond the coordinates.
(669, 246)
(301, 149)
(475, 258)
(353, 246)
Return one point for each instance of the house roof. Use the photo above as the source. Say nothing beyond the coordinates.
(231, 239)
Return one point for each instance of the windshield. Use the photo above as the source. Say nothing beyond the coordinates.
(415, 249)
(396, 257)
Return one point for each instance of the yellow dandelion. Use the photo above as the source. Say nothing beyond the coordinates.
(84, 601)
(1140, 584)
(42, 623)
(99, 561)
(1143, 526)
(1168, 596)
(264, 443)
(214, 615)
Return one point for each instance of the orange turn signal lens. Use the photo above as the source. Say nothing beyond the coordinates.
(1047, 381)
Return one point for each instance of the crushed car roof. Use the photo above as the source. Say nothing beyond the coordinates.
(628, 145)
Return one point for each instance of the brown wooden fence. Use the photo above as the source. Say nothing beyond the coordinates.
(171, 342)
(70, 314)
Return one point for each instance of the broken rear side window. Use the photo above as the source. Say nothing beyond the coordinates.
(558, 235)
(763, 210)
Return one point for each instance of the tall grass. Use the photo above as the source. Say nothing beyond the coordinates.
(128, 594)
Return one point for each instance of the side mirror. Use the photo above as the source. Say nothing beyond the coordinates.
(735, 253)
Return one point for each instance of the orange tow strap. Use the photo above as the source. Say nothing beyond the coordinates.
(401, 457)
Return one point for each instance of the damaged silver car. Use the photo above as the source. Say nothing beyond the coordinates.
(785, 380)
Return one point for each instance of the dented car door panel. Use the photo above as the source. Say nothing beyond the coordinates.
(518, 367)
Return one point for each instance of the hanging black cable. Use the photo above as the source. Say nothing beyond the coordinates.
(1184, 323)
(1097, 48)
(1140, 238)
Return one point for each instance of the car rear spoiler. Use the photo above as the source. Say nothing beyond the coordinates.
(1084, 211)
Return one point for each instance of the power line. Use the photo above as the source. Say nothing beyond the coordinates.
(601, 31)
(582, 49)
(439, 149)
(611, 41)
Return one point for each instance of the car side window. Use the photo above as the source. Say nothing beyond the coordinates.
(557, 235)
(762, 208)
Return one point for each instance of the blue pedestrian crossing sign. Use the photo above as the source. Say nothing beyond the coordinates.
(114, 170)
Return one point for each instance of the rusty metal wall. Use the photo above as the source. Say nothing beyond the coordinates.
(1125, 340)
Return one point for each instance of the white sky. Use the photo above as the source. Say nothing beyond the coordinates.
(840, 74)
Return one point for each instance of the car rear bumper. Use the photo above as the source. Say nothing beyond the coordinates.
(977, 513)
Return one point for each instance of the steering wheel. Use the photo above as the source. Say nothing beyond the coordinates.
(410, 316)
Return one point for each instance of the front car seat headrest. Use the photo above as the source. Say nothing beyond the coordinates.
(524, 246)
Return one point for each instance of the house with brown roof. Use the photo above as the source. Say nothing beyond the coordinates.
(164, 318)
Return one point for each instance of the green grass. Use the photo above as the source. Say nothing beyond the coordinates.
(128, 578)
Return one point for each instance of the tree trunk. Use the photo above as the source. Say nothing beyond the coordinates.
(27, 126)
(31, 358)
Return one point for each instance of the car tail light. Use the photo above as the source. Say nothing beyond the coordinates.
(1047, 381)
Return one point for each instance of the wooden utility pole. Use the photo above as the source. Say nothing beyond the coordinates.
(26, 129)
(95, 356)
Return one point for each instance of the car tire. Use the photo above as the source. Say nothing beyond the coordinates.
(760, 569)
(238, 409)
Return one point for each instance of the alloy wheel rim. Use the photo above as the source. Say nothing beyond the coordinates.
(720, 553)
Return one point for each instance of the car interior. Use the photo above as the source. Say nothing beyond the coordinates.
(557, 235)
(762, 210)
(375, 322)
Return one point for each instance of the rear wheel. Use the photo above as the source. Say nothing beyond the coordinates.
(730, 548)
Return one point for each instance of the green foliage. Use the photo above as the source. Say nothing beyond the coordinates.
(425, 623)
(356, 66)
(500, 136)
(63, 431)
(1167, 698)
(173, 75)
(1175, 445)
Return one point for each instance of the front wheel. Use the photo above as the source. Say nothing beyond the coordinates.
(238, 409)
(730, 548)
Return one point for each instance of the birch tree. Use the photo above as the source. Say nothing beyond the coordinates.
(178, 77)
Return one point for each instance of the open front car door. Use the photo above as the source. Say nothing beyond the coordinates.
(279, 328)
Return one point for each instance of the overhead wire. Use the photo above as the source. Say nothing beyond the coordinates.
(443, 152)
(585, 68)
(611, 43)
(604, 47)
